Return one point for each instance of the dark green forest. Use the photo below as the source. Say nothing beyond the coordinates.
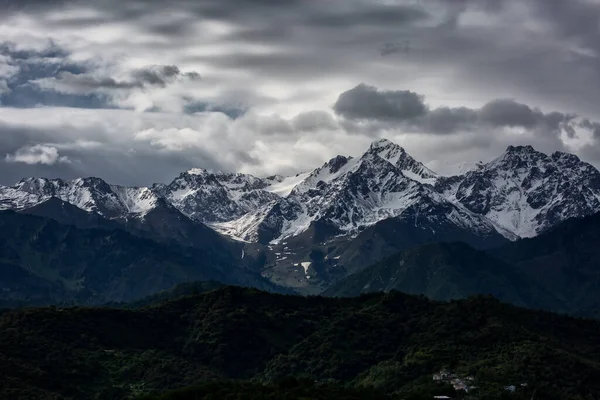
(246, 344)
(556, 271)
(44, 262)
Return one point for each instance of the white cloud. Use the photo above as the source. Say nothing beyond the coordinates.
(172, 139)
(37, 154)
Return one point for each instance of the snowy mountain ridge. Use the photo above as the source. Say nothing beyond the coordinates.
(526, 191)
(352, 193)
(88, 194)
(519, 194)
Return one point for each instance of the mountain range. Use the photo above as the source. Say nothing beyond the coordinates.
(46, 262)
(309, 230)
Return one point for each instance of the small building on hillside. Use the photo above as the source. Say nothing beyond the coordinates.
(459, 385)
(443, 375)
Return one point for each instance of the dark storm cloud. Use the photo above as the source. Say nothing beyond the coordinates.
(509, 113)
(85, 83)
(367, 103)
(160, 75)
(376, 15)
(506, 112)
(448, 120)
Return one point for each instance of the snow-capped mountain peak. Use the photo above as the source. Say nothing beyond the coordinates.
(519, 157)
(198, 171)
(521, 149)
(381, 144)
(217, 197)
(387, 150)
(397, 156)
(526, 191)
(566, 159)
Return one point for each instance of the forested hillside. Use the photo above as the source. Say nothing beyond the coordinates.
(391, 343)
(44, 262)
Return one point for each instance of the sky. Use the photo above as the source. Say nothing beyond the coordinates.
(137, 91)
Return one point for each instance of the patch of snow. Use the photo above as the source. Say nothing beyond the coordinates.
(15, 199)
(306, 265)
(198, 171)
(285, 187)
(454, 169)
(324, 174)
(244, 228)
(416, 177)
(137, 200)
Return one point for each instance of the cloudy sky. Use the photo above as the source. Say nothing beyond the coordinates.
(137, 91)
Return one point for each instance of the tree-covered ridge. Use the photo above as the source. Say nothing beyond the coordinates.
(565, 261)
(556, 271)
(285, 389)
(445, 271)
(177, 291)
(45, 262)
(390, 342)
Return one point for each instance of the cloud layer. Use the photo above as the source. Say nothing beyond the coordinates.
(125, 91)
